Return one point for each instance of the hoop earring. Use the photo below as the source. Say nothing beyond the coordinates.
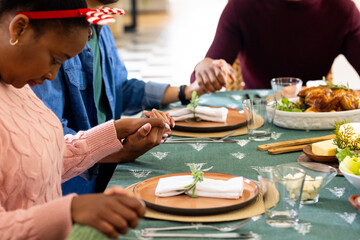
(13, 43)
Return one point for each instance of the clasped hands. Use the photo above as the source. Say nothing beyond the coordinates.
(113, 212)
(211, 75)
(138, 135)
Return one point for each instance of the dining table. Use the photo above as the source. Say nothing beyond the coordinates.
(332, 217)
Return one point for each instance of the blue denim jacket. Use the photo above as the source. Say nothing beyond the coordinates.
(71, 96)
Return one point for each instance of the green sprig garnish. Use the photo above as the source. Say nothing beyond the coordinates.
(289, 106)
(345, 138)
(193, 105)
(336, 86)
(198, 176)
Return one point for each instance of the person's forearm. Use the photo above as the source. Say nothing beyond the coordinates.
(172, 93)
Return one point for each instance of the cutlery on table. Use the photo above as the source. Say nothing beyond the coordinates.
(292, 145)
(228, 228)
(199, 235)
(279, 150)
(201, 141)
(189, 139)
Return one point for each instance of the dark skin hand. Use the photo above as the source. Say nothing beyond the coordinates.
(138, 143)
(212, 75)
(128, 126)
(161, 115)
(112, 214)
(145, 137)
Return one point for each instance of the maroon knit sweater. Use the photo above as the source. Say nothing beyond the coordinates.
(278, 38)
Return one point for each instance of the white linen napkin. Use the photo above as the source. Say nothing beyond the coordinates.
(172, 186)
(204, 113)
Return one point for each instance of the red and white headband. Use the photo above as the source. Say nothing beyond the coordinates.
(94, 16)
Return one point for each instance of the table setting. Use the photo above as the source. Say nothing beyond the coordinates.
(268, 176)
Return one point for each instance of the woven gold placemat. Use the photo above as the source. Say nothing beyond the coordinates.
(239, 131)
(253, 209)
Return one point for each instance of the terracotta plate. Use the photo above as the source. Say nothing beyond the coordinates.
(318, 158)
(234, 120)
(185, 205)
(355, 201)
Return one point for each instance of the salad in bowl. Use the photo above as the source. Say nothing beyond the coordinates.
(347, 138)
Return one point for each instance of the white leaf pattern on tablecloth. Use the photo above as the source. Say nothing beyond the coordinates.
(255, 218)
(291, 202)
(139, 237)
(255, 236)
(348, 217)
(203, 101)
(198, 146)
(242, 142)
(275, 135)
(303, 228)
(338, 192)
(140, 173)
(160, 155)
(238, 155)
(197, 165)
(255, 168)
(236, 97)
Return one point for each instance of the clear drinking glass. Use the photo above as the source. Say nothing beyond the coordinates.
(259, 113)
(318, 175)
(286, 87)
(281, 187)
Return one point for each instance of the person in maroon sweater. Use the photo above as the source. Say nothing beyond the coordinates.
(277, 38)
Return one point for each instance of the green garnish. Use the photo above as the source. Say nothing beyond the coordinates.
(345, 138)
(341, 155)
(193, 105)
(337, 86)
(289, 106)
(198, 176)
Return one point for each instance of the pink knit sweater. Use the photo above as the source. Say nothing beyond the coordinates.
(35, 159)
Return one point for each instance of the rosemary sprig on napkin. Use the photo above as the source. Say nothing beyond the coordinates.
(198, 176)
(193, 105)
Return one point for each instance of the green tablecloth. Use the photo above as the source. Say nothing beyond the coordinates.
(331, 218)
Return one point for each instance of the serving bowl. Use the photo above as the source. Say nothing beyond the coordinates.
(318, 175)
(313, 120)
(352, 178)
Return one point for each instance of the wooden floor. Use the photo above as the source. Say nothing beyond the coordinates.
(167, 46)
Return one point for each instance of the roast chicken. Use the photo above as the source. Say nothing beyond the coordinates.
(325, 99)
